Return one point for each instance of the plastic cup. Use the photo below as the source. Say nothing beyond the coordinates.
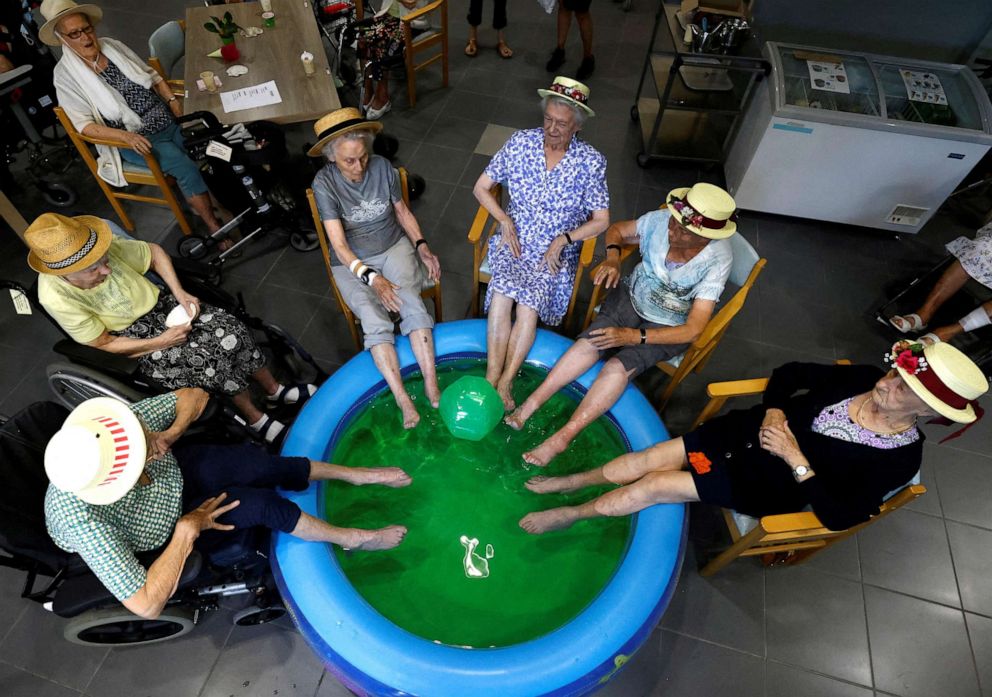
(308, 67)
(208, 80)
(266, 5)
(269, 19)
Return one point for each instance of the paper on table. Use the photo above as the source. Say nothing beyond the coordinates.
(250, 97)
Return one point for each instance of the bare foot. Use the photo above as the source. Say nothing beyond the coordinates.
(516, 420)
(545, 452)
(506, 393)
(545, 521)
(372, 540)
(433, 394)
(410, 416)
(387, 476)
(549, 485)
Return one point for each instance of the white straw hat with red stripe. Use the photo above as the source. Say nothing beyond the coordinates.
(99, 453)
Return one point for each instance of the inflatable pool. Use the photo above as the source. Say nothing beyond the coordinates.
(372, 656)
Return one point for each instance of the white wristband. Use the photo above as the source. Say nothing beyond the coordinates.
(372, 276)
(975, 319)
(355, 263)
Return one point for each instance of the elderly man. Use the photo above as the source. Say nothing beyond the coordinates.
(117, 488)
(671, 295)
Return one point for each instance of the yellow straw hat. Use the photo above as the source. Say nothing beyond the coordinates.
(338, 122)
(943, 377)
(54, 10)
(60, 245)
(570, 90)
(704, 209)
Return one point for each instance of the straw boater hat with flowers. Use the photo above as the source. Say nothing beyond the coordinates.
(55, 10)
(99, 452)
(569, 90)
(337, 123)
(60, 245)
(704, 209)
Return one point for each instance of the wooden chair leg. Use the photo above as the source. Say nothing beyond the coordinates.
(169, 195)
(438, 313)
(732, 552)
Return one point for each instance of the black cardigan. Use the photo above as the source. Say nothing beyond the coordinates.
(850, 480)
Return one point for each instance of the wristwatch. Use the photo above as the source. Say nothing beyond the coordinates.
(800, 472)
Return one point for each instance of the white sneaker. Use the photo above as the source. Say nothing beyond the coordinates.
(375, 114)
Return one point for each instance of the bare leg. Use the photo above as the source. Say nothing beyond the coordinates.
(387, 476)
(604, 393)
(584, 20)
(564, 22)
(950, 331)
(316, 530)
(497, 336)
(263, 376)
(521, 339)
(203, 207)
(242, 402)
(388, 364)
(652, 488)
(367, 91)
(581, 356)
(667, 456)
(949, 283)
(381, 92)
(422, 343)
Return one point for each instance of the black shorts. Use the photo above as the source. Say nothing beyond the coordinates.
(576, 5)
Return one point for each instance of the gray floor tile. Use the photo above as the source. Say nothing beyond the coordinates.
(303, 271)
(980, 631)
(818, 622)
(787, 681)
(918, 649)
(964, 479)
(840, 558)
(455, 132)
(435, 199)
(438, 163)
(331, 687)
(20, 683)
(972, 551)
(11, 602)
(908, 552)
(492, 139)
(472, 105)
(264, 660)
(930, 502)
(473, 170)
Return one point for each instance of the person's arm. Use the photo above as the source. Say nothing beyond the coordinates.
(384, 289)
(135, 141)
(407, 221)
(162, 265)
(164, 573)
(190, 403)
(171, 100)
(507, 228)
(699, 315)
(135, 348)
(598, 221)
(617, 235)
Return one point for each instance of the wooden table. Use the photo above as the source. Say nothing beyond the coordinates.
(274, 55)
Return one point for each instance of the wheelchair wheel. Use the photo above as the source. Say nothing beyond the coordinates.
(252, 616)
(74, 384)
(304, 240)
(115, 626)
(193, 247)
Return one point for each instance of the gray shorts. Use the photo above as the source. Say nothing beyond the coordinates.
(618, 311)
(400, 265)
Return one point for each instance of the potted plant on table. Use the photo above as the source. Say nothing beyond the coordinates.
(227, 29)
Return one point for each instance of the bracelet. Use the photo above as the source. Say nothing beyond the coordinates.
(372, 276)
(614, 246)
(419, 242)
(355, 263)
(644, 335)
(568, 237)
(367, 274)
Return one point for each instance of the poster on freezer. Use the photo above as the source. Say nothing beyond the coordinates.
(923, 87)
(829, 77)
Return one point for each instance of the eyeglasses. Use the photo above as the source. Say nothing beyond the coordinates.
(76, 33)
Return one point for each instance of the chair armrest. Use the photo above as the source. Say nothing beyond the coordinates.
(587, 252)
(113, 364)
(790, 522)
(625, 251)
(104, 141)
(426, 9)
(478, 225)
(737, 388)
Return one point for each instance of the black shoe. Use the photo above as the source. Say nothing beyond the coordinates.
(556, 61)
(586, 68)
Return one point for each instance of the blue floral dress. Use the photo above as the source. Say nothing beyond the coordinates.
(543, 205)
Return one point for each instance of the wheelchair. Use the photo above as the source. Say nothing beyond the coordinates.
(64, 585)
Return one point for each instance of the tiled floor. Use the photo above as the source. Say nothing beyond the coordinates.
(903, 609)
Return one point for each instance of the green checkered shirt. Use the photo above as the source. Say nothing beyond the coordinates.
(107, 537)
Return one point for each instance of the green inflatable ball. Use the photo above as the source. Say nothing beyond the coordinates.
(471, 408)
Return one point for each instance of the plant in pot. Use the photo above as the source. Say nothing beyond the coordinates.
(227, 29)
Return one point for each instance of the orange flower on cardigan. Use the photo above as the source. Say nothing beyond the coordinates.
(699, 462)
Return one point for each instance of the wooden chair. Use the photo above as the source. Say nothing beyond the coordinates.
(431, 290)
(744, 272)
(786, 538)
(483, 227)
(149, 175)
(166, 47)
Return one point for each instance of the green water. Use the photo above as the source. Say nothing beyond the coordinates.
(535, 584)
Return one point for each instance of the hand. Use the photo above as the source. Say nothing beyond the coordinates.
(205, 517)
(508, 236)
(773, 417)
(174, 336)
(431, 261)
(779, 441)
(386, 290)
(137, 142)
(611, 337)
(176, 107)
(159, 443)
(608, 272)
(552, 257)
(185, 299)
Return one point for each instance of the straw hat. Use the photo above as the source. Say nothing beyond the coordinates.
(570, 90)
(943, 377)
(54, 10)
(704, 209)
(60, 245)
(338, 122)
(99, 453)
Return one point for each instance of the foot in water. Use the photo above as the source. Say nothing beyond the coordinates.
(545, 521)
(505, 391)
(549, 485)
(545, 452)
(518, 418)
(373, 540)
(387, 476)
(410, 415)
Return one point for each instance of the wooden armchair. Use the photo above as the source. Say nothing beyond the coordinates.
(786, 538)
(431, 290)
(166, 46)
(149, 175)
(483, 227)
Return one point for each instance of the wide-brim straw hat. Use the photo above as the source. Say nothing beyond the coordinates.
(704, 209)
(99, 452)
(61, 245)
(570, 90)
(54, 10)
(948, 382)
(337, 123)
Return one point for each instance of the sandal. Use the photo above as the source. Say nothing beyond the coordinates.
(471, 48)
(928, 339)
(907, 323)
(292, 394)
(503, 50)
(269, 429)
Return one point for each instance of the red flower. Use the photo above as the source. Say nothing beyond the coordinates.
(908, 362)
(699, 462)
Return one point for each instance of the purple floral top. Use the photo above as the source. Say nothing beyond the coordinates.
(543, 205)
(834, 421)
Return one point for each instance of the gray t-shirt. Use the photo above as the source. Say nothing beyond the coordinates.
(365, 209)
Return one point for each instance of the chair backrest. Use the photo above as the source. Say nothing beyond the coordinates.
(744, 259)
(166, 46)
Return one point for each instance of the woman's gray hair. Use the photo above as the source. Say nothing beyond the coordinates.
(580, 113)
(328, 151)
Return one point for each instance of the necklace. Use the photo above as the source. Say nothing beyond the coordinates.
(860, 421)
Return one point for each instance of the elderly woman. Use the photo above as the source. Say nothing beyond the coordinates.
(380, 44)
(665, 305)
(836, 438)
(92, 283)
(376, 249)
(558, 198)
(108, 92)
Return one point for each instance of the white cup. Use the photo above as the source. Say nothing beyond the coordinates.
(208, 80)
(307, 59)
(266, 5)
(178, 316)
